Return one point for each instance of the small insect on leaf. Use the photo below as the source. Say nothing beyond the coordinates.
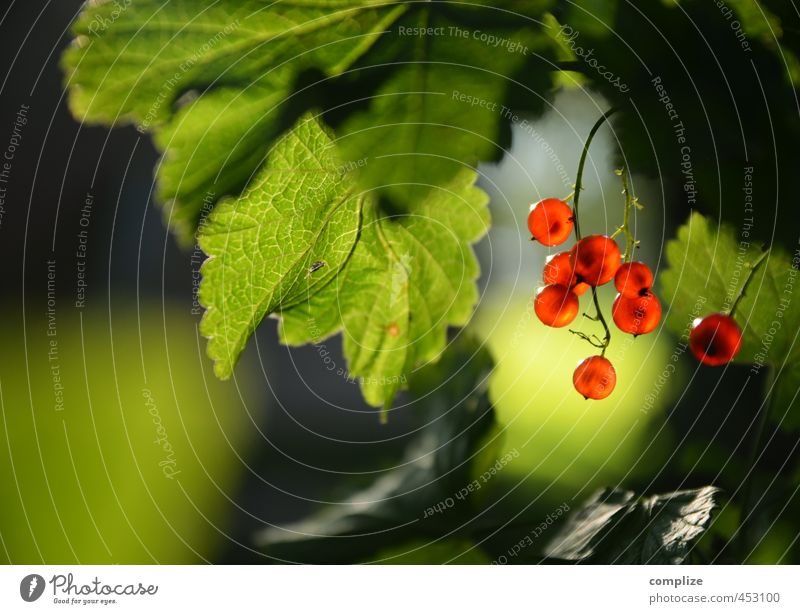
(316, 266)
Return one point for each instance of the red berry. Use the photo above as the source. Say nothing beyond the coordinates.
(633, 279)
(558, 270)
(715, 339)
(595, 259)
(556, 305)
(595, 378)
(550, 221)
(639, 315)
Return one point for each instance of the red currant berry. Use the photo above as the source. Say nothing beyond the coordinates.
(595, 378)
(556, 305)
(715, 339)
(550, 221)
(595, 259)
(639, 315)
(633, 279)
(558, 270)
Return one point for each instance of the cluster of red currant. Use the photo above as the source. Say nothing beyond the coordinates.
(591, 262)
(595, 260)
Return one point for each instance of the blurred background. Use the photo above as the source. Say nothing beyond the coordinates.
(118, 445)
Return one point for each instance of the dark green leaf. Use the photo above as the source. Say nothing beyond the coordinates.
(617, 527)
(439, 462)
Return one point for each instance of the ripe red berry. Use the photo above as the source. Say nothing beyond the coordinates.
(633, 279)
(595, 378)
(550, 221)
(639, 315)
(558, 270)
(595, 259)
(715, 339)
(556, 305)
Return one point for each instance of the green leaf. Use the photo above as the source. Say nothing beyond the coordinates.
(437, 464)
(443, 106)
(708, 266)
(759, 22)
(617, 527)
(209, 79)
(288, 234)
(216, 84)
(410, 277)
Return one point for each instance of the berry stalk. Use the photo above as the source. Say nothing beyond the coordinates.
(750, 275)
(582, 163)
(575, 202)
(631, 202)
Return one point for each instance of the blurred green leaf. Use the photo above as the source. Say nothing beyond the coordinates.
(759, 21)
(617, 527)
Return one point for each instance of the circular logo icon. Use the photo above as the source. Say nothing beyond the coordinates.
(31, 587)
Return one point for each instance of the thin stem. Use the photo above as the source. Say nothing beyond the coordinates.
(630, 203)
(607, 338)
(578, 187)
(747, 281)
(582, 164)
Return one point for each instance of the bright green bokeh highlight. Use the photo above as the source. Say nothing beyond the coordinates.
(564, 440)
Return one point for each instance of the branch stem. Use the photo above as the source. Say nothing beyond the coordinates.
(630, 203)
(575, 202)
(582, 164)
(747, 281)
